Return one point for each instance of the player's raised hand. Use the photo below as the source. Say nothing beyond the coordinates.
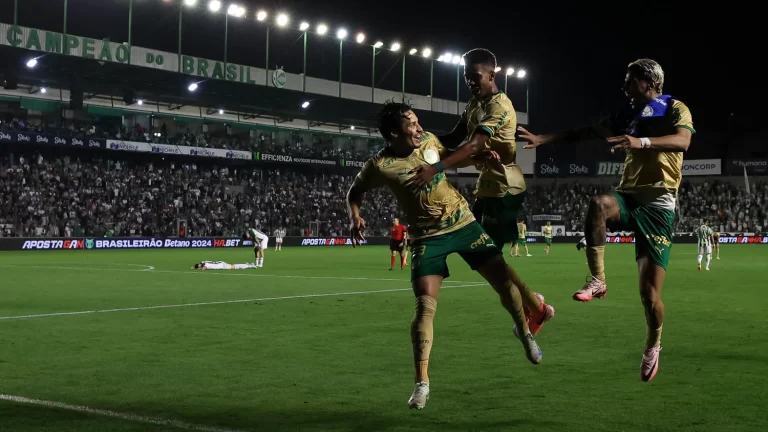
(533, 140)
(422, 176)
(356, 228)
(486, 155)
(624, 142)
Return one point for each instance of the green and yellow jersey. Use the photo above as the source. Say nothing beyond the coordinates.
(522, 230)
(496, 116)
(434, 210)
(547, 231)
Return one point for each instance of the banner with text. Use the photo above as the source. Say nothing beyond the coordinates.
(702, 167)
(553, 218)
(40, 138)
(135, 146)
(753, 166)
(564, 169)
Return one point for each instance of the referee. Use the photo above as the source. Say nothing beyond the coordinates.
(397, 242)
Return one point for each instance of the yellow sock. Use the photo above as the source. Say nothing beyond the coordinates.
(653, 337)
(421, 335)
(595, 259)
(513, 303)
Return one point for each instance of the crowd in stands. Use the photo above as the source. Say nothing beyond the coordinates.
(67, 196)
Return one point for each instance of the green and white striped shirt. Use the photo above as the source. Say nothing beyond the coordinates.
(704, 233)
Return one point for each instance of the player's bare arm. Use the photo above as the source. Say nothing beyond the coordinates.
(357, 223)
(473, 148)
(678, 142)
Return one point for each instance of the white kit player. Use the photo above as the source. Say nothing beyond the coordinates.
(221, 265)
(279, 236)
(704, 233)
(260, 244)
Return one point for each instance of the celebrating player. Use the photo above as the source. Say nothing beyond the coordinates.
(439, 223)
(490, 122)
(260, 244)
(397, 241)
(654, 130)
(704, 234)
(221, 265)
(546, 230)
(522, 235)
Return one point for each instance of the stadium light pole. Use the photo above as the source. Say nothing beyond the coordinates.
(66, 7)
(510, 71)
(304, 26)
(373, 71)
(130, 23)
(15, 12)
(341, 34)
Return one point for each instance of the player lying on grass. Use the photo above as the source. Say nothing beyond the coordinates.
(654, 130)
(221, 265)
(439, 224)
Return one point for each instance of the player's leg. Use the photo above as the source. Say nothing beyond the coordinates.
(709, 256)
(427, 272)
(717, 248)
(527, 253)
(392, 254)
(601, 210)
(699, 257)
(653, 246)
(651, 282)
(256, 247)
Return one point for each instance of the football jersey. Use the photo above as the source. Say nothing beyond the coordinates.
(435, 209)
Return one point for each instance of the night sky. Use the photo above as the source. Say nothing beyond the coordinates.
(575, 56)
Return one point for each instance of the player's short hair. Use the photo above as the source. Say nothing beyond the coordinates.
(391, 116)
(480, 56)
(649, 70)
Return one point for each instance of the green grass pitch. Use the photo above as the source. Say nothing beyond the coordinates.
(318, 340)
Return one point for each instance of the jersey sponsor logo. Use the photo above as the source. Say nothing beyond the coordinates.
(52, 244)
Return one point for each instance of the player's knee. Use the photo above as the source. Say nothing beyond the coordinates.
(426, 307)
(650, 295)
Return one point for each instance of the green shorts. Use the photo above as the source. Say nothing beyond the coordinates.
(653, 227)
(521, 241)
(471, 242)
(498, 216)
(548, 241)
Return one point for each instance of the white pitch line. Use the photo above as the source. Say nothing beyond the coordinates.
(222, 302)
(223, 273)
(114, 414)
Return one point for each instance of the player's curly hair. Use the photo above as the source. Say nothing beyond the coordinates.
(480, 56)
(391, 116)
(649, 70)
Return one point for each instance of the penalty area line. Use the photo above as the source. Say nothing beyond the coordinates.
(114, 414)
(222, 302)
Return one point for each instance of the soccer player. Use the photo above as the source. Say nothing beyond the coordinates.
(260, 243)
(522, 233)
(397, 241)
(547, 232)
(704, 234)
(654, 130)
(490, 122)
(716, 243)
(439, 223)
(221, 265)
(279, 235)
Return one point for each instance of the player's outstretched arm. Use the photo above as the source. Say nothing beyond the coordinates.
(600, 130)
(476, 144)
